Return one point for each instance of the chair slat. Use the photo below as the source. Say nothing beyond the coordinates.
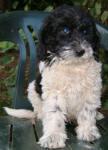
(32, 47)
(19, 87)
(23, 136)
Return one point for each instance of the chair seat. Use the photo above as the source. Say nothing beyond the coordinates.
(23, 135)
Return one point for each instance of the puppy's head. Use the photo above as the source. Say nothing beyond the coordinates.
(68, 33)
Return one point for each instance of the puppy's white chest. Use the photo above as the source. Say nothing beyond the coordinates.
(70, 83)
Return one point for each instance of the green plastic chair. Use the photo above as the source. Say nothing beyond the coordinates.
(20, 134)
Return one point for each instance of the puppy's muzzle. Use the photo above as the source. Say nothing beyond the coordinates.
(80, 47)
(76, 49)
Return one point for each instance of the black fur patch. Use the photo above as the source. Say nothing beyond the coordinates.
(38, 85)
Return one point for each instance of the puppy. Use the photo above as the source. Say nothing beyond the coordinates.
(69, 86)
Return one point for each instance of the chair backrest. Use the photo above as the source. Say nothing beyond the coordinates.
(10, 24)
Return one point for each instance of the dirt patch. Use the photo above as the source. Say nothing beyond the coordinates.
(5, 98)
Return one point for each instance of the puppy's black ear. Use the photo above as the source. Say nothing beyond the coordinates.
(42, 47)
(40, 52)
(46, 37)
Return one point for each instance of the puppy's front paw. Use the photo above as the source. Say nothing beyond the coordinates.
(55, 140)
(87, 133)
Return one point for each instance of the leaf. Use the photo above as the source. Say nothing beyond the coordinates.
(9, 69)
(84, 2)
(98, 8)
(5, 46)
(92, 11)
(26, 8)
(7, 59)
(49, 9)
(91, 3)
(77, 2)
(80, 2)
(15, 4)
(10, 81)
(104, 16)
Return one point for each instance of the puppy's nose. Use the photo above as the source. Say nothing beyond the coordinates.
(80, 53)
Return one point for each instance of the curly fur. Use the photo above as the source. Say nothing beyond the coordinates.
(69, 86)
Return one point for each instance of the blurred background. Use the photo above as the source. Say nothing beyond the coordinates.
(9, 52)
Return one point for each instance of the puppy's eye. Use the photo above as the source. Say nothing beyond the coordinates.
(84, 31)
(65, 30)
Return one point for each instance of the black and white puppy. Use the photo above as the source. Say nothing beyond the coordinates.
(70, 83)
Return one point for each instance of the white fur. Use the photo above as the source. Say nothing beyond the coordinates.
(75, 89)
(71, 90)
(20, 113)
(41, 66)
(36, 102)
(99, 116)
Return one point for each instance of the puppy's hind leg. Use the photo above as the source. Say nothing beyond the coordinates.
(35, 100)
(54, 134)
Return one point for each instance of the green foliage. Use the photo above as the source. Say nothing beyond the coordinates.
(104, 16)
(97, 8)
(10, 81)
(80, 2)
(49, 9)
(15, 4)
(9, 69)
(6, 46)
(6, 60)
